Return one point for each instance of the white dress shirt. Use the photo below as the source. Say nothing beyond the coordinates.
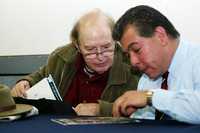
(182, 99)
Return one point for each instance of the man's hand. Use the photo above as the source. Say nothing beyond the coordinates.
(87, 109)
(19, 90)
(128, 103)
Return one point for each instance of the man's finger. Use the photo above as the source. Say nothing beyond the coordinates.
(117, 107)
(130, 110)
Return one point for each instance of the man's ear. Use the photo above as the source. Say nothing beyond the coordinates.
(77, 46)
(161, 33)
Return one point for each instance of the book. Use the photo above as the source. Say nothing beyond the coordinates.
(45, 88)
(94, 120)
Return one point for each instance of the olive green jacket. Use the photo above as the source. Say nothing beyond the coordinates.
(61, 65)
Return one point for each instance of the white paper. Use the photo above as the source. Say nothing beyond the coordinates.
(41, 90)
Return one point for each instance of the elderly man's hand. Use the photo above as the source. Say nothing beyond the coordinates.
(87, 109)
(128, 103)
(19, 90)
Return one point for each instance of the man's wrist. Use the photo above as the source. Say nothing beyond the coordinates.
(149, 95)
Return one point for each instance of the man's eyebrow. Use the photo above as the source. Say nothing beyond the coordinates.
(86, 46)
(107, 43)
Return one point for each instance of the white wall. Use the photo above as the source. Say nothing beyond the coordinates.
(39, 26)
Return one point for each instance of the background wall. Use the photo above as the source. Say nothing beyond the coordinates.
(40, 26)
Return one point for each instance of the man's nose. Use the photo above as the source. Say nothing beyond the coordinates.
(99, 54)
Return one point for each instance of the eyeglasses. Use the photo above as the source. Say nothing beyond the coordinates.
(107, 52)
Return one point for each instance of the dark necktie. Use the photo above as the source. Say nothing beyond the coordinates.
(160, 115)
(164, 81)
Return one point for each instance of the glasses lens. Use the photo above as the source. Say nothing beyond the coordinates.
(106, 52)
(91, 56)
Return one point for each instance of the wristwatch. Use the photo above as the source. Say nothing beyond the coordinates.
(149, 95)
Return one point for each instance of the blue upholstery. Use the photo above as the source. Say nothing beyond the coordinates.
(14, 67)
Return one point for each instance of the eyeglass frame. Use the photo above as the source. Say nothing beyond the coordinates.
(109, 50)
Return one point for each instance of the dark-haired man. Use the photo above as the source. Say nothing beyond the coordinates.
(155, 48)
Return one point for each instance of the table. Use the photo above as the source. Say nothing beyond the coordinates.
(43, 123)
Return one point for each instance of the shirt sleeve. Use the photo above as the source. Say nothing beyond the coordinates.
(182, 105)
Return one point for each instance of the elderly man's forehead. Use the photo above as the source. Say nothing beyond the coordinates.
(92, 29)
(96, 34)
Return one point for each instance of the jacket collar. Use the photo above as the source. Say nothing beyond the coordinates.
(118, 72)
(68, 53)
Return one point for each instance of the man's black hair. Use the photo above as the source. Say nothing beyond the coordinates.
(145, 19)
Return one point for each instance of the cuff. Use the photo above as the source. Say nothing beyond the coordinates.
(105, 108)
(161, 99)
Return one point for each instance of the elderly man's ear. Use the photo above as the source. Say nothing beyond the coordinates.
(77, 46)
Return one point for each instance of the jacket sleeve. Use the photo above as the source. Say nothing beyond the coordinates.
(106, 106)
(36, 76)
(43, 71)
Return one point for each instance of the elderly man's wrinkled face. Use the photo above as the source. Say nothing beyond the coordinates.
(97, 47)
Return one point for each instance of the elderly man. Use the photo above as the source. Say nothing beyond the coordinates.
(90, 72)
(155, 48)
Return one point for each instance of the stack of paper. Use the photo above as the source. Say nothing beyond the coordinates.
(34, 111)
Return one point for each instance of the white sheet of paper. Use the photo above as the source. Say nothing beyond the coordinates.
(41, 90)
